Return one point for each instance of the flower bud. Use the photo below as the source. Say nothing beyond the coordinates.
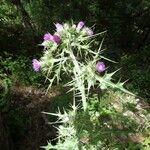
(59, 27)
(100, 66)
(80, 25)
(36, 64)
(89, 31)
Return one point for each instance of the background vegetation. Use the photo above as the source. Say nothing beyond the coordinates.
(23, 23)
(127, 40)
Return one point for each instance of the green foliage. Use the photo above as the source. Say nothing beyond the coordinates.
(8, 13)
(5, 84)
(128, 26)
(127, 21)
(11, 72)
(60, 103)
(136, 69)
(17, 121)
(108, 120)
(38, 11)
(109, 123)
(17, 70)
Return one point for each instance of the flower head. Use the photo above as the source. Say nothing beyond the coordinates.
(56, 38)
(48, 37)
(59, 27)
(89, 31)
(53, 38)
(36, 64)
(80, 25)
(100, 66)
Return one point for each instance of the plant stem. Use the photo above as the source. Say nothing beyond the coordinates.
(80, 82)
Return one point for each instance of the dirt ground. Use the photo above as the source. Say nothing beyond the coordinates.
(32, 101)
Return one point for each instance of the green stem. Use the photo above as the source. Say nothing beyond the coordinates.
(80, 84)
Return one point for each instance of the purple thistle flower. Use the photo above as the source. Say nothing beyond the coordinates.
(59, 27)
(48, 37)
(89, 31)
(80, 25)
(36, 64)
(53, 38)
(100, 66)
(56, 38)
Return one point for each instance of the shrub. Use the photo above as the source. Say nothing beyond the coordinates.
(17, 69)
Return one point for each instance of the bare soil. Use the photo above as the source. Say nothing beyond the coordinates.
(32, 101)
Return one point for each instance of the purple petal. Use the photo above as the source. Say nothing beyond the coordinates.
(80, 25)
(59, 27)
(36, 64)
(48, 37)
(100, 66)
(56, 38)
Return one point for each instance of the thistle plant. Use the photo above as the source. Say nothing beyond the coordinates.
(69, 51)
